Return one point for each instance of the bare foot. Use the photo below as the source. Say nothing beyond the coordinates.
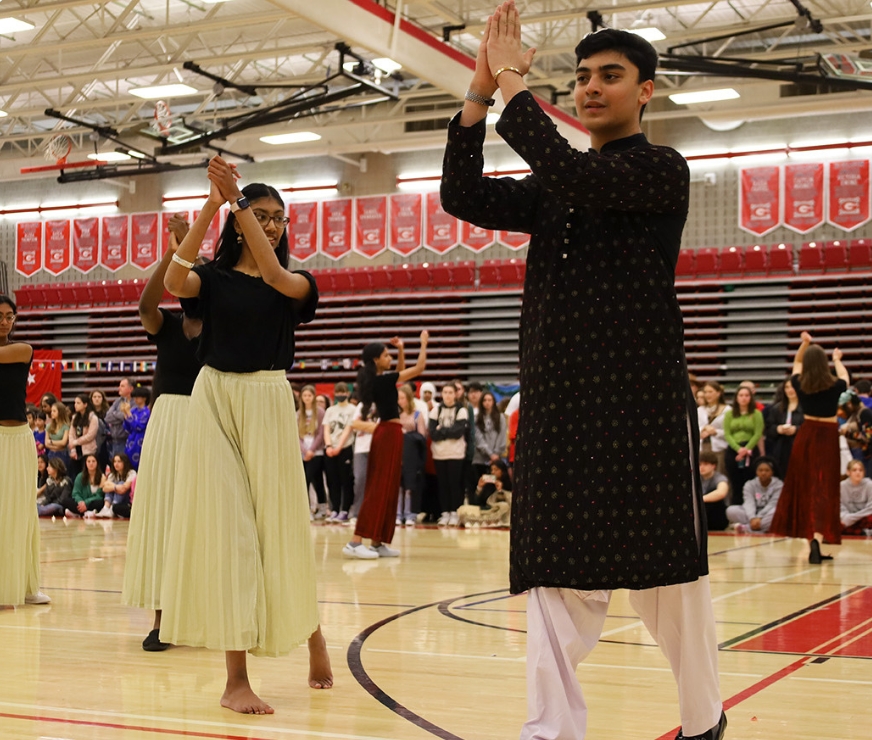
(240, 698)
(320, 674)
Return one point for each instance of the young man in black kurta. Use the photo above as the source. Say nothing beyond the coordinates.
(606, 480)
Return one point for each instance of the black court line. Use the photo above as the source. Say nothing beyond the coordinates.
(355, 664)
(769, 541)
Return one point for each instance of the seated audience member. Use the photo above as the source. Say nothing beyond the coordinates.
(116, 489)
(715, 490)
(88, 488)
(491, 504)
(857, 429)
(57, 432)
(782, 421)
(41, 477)
(39, 432)
(135, 421)
(856, 501)
(760, 498)
(58, 495)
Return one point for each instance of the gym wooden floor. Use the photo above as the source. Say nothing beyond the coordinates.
(431, 645)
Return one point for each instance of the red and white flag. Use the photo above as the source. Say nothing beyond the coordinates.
(476, 238)
(303, 230)
(760, 199)
(849, 194)
(28, 248)
(803, 197)
(86, 243)
(441, 232)
(336, 228)
(56, 247)
(405, 224)
(114, 242)
(45, 375)
(513, 239)
(371, 225)
(144, 240)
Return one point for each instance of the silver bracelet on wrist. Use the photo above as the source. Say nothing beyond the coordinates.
(184, 263)
(474, 97)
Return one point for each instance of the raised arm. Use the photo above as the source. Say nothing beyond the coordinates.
(180, 280)
(149, 314)
(800, 353)
(841, 370)
(401, 353)
(421, 364)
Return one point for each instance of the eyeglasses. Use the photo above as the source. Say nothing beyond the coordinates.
(264, 218)
(7, 318)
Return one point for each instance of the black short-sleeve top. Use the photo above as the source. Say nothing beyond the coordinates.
(385, 396)
(823, 403)
(13, 390)
(177, 363)
(247, 325)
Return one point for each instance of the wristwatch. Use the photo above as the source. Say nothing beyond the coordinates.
(240, 204)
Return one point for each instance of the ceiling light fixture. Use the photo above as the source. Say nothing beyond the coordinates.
(297, 137)
(649, 34)
(704, 96)
(156, 92)
(109, 157)
(11, 25)
(388, 66)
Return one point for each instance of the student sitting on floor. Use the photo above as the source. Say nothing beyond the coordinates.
(856, 500)
(760, 498)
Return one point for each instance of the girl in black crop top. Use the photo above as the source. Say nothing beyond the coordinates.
(377, 387)
(809, 503)
(250, 305)
(19, 528)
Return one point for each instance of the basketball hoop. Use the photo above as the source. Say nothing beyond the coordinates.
(58, 148)
(163, 118)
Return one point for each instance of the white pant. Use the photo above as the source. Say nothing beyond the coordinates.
(564, 625)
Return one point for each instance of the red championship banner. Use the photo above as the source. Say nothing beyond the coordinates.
(56, 247)
(849, 194)
(441, 229)
(476, 238)
(513, 239)
(303, 230)
(114, 242)
(45, 374)
(28, 248)
(371, 225)
(404, 235)
(803, 197)
(164, 235)
(336, 228)
(760, 199)
(86, 243)
(144, 240)
(212, 237)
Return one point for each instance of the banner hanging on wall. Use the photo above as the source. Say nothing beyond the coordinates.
(760, 199)
(476, 238)
(371, 225)
(849, 205)
(441, 230)
(86, 243)
(114, 242)
(336, 228)
(513, 239)
(405, 224)
(28, 248)
(803, 197)
(303, 230)
(164, 235)
(144, 240)
(210, 240)
(56, 250)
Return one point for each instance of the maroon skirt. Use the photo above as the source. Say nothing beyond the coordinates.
(809, 501)
(377, 517)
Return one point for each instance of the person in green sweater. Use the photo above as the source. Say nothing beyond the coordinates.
(88, 489)
(743, 429)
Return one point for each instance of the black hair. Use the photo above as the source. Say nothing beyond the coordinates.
(365, 383)
(505, 478)
(475, 386)
(98, 474)
(766, 460)
(230, 246)
(863, 386)
(7, 299)
(637, 50)
(141, 392)
(59, 466)
(495, 414)
(125, 461)
(80, 421)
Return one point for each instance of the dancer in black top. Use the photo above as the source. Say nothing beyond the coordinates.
(243, 575)
(19, 525)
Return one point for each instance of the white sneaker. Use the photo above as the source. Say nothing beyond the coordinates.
(90, 514)
(399, 522)
(359, 551)
(410, 522)
(38, 598)
(452, 519)
(383, 551)
(443, 520)
(105, 513)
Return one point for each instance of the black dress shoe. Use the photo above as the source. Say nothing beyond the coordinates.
(152, 643)
(715, 733)
(815, 556)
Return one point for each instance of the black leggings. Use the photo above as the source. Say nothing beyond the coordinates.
(340, 479)
(315, 476)
(450, 476)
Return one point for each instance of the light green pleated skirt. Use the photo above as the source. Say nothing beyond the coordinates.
(19, 524)
(152, 505)
(239, 569)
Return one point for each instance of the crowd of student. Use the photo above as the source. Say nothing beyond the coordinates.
(746, 450)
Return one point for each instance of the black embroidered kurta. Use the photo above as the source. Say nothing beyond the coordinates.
(606, 453)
